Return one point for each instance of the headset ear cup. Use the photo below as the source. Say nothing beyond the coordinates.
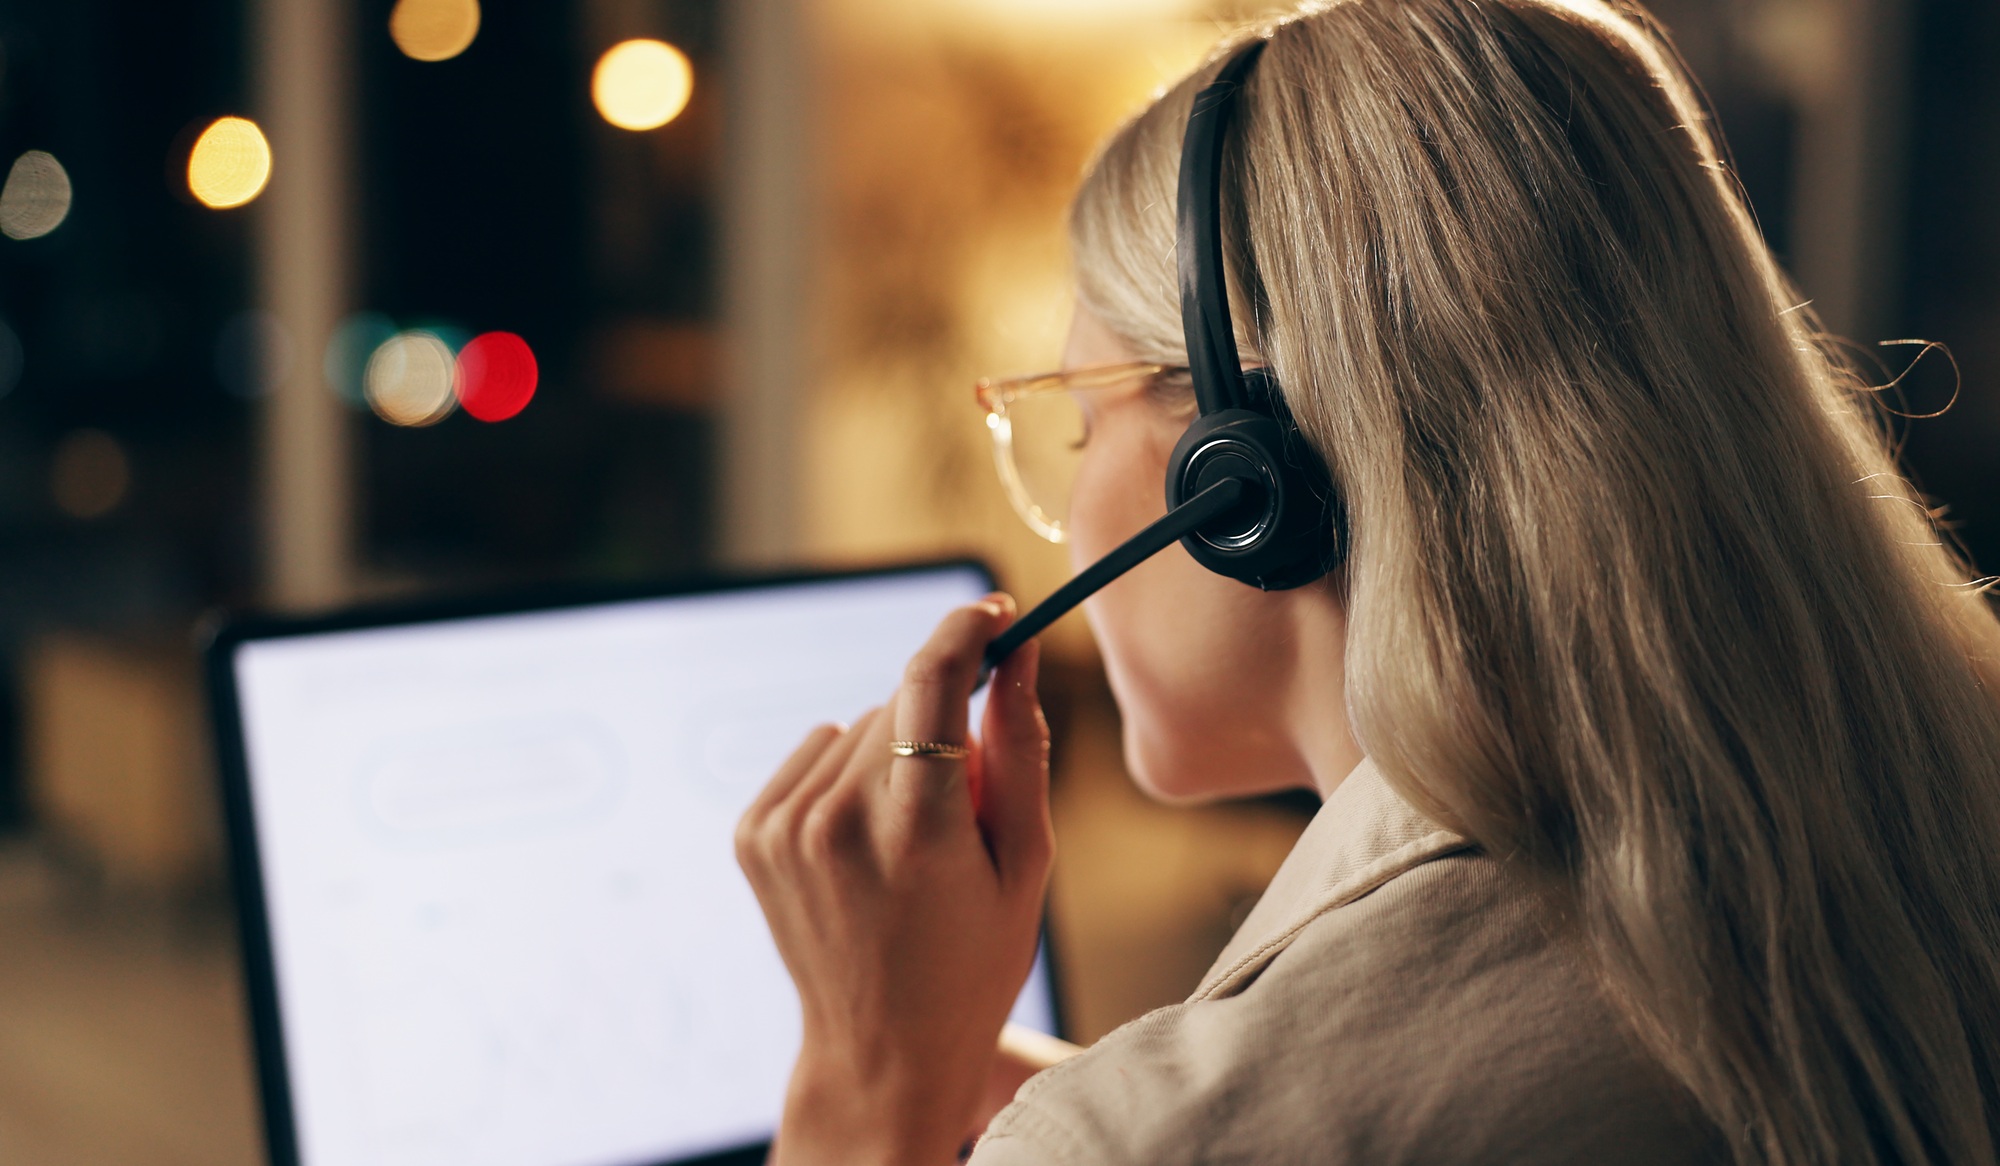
(1290, 530)
(1320, 513)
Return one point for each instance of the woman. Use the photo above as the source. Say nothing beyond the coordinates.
(1655, 725)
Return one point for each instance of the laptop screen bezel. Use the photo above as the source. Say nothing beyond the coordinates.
(246, 871)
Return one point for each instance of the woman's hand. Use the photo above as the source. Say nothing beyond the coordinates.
(906, 912)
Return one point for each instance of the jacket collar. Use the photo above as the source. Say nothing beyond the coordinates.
(1364, 835)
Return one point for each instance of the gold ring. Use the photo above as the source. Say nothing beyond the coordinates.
(929, 749)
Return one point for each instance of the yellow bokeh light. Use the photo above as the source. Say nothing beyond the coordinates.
(409, 379)
(434, 30)
(641, 84)
(230, 163)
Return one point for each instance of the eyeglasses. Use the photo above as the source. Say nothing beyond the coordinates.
(1039, 425)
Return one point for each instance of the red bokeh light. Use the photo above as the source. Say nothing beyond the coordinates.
(496, 375)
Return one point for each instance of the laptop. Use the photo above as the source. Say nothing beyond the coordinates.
(491, 913)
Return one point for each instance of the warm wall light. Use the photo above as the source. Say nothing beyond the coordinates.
(641, 84)
(1026, 12)
(36, 198)
(434, 30)
(230, 163)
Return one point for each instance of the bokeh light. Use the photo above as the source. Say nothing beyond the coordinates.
(496, 376)
(36, 198)
(453, 335)
(230, 163)
(434, 30)
(355, 339)
(641, 84)
(90, 474)
(409, 379)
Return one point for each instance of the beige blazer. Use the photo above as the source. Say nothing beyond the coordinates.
(1395, 997)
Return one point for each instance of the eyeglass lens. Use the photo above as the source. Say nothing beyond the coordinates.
(1045, 446)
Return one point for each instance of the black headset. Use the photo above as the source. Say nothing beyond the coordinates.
(1246, 496)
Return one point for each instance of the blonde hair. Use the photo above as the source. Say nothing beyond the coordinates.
(1637, 599)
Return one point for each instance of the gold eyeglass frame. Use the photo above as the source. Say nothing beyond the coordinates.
(996, 394)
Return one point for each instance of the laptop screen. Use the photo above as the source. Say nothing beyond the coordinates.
(505, 922)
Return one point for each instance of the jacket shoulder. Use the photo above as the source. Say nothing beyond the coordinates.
(1446, 1016)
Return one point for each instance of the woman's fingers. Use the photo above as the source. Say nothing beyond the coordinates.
(1014, 764)
(908, 939)
(828, 771)
(803, 779)
(794, 770)
(931, 704)
(805, 800)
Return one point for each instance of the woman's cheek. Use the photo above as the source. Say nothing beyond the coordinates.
(1119, 485)
(1141, 621)
(1093, 507)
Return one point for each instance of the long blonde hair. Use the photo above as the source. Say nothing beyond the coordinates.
(1637, 599)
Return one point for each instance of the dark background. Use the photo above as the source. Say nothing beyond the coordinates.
(491, 196)
(481, 179)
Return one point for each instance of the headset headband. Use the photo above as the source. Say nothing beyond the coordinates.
(1214, 364)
